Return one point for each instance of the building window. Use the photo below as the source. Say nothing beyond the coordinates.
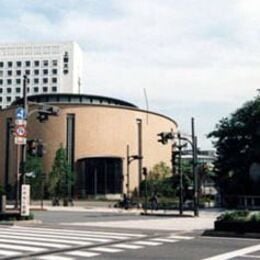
(36, 89)
(1, 99)
(45, 63)
(18, 63)
(54, 80)
(18, 73)
(45, 80)
(16, 98)
(54, 63)
(8, 99)
(28, 90)
(36, 81)
(10, 64)
(18, 81)
(1, 90)
(36, 72)
(54, 89)
(54, 71)
(9, 73)
(27, 72)
(1, 73)
(9, 82)
(36, 63)
(9, 90)
(18, 90)
(1, 82)
(45, 72)
(27, 63)
(45, 89)
(1, 64)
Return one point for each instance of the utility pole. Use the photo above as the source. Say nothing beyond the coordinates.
(194, 170)
(180, 175)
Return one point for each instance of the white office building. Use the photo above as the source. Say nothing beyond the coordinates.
(50, 68)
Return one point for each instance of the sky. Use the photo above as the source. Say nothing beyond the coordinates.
(194, 58)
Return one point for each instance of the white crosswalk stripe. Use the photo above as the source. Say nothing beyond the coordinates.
(21, 241)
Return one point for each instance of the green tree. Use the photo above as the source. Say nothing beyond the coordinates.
(60, 177)
(34, 166)
(237, 139)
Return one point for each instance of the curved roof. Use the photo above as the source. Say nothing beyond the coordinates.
(75, 99)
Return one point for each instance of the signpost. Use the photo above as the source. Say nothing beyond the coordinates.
(25, 200)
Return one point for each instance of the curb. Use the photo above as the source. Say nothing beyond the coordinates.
(213, 233)
(17, 222)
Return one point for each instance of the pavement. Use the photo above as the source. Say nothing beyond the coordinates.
(169, 220)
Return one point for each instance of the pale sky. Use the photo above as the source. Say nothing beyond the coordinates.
(195, 58)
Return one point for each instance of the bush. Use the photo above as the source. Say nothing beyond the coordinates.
(240, 216)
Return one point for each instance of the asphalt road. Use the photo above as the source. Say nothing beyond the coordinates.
(187, 245)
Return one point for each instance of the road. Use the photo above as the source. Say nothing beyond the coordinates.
(86, 235)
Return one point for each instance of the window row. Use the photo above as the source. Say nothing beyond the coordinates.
(34, 89)
(29, 72)
(34, 81)
(28, 63)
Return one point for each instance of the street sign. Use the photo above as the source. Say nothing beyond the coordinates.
(20, 140)
(20, 113)
(20, 131)
(25, 200)
(20, 122)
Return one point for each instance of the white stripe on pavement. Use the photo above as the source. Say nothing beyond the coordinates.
(147, 243)
(23, 248)
(9, 253)
(106, 249)
(32, 243)
(68, 234)
(235, 253)
(82, 253)
(166, 240)
(127, 246)
(33, 238)
(54, 257)
(180, 237)
(28, 234)
(252, 256)
(85, 232)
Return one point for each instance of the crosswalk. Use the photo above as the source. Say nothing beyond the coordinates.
(67, 244)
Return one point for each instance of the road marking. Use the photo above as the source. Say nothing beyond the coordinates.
(54, 257)
(127, 246)
(235, 253)
(106, 249)
(252, 256)
(82, 253)
(23, 248)
(28, 234)
(87, 232)
(180, 237)
(164, 240)
(148, 243)
(33, 243)
(9, 253)
(45, 239)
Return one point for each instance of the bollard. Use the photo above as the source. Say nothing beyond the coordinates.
(2, 203)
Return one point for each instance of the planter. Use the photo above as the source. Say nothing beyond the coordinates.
(238, 227)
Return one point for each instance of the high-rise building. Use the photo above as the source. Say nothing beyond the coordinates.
(50, 68)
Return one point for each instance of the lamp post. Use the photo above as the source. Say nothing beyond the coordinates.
(130, 158)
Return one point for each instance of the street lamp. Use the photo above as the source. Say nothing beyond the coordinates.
(130, 158)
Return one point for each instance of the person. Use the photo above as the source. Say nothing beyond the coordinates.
(125, 201)
(154, 202)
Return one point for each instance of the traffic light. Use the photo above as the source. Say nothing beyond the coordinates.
(45, 111)
(32, 147)
(165, 136)
(35, 147)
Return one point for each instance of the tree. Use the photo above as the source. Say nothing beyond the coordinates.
(34, 166)
(60, 178)
(237, 139)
